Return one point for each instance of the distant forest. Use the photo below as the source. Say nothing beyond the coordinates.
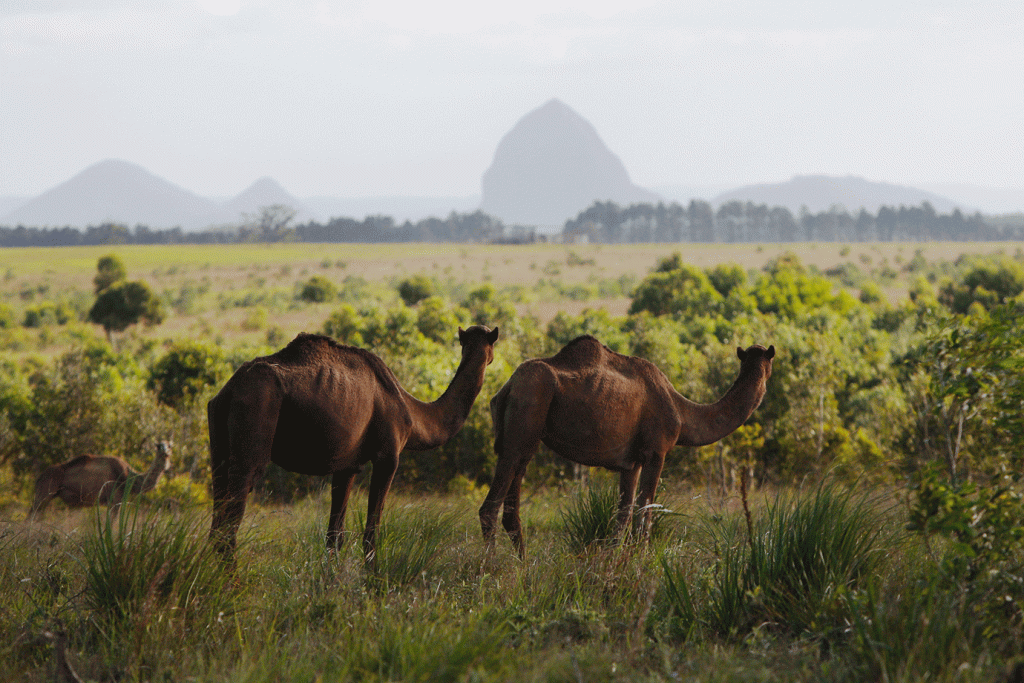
(602, 223)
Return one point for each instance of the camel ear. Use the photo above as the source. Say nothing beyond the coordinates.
(492, 336)
(462, 335)
(740, 353)
(770, 353)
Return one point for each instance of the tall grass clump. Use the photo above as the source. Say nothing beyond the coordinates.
(590, 517)
(806, 555)
(411, 542)
(913, 631)
(142, 565)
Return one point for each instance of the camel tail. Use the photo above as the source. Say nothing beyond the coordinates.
(220, 448)
(498, 403)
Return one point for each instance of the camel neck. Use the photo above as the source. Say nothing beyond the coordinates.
(435, 423)
(141, 483)
(705, 423)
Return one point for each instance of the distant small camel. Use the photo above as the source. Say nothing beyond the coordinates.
(97, 480)
(318, 407)
(599, 408)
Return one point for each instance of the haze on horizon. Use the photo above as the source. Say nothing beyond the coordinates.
(401, 98)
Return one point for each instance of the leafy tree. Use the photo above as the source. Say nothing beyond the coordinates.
(345, 325)
(969, 380)
(988, 283)
(7, 319)
(727, 277)
(110, 269)
(787, 290)
(318, 289)
(415, 289)
(685, 291)
(126, 303)
(270, 224)
(437, 321)
(187, 370)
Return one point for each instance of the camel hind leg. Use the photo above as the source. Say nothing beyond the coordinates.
(242, 426)
(519, 411)
(47, 488)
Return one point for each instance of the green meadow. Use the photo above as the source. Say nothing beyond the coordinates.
(866, 523)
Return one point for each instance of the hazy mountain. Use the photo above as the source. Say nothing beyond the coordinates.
(121, 192)
(820, 193)
(113, 190)
(10, 202)
(550, 166)
(682, 194)
(990, 200)
(263, 192)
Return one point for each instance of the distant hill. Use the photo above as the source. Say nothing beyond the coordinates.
(820, 193)
(263, 192)
(550, 166)
(113, 190)
(118, 191)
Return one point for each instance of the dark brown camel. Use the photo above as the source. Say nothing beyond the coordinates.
(91, 480)
(599, 408)
(317, 407)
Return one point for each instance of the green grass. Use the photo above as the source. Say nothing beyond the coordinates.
(831, 589)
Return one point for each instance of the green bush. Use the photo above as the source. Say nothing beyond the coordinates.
(415, 289)
(187, 369)
(318, 289)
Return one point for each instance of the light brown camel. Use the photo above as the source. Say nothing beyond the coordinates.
(599, 408)
(318, 407)
(90, 480)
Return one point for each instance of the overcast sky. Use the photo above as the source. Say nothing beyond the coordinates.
(400, 97)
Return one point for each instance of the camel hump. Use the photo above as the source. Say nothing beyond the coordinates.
(582, 351)
(317, 349)
(78, 461)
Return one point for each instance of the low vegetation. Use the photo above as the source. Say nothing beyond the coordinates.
(867, 523)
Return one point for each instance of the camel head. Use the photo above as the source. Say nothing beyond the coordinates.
(475, 336)
(757, 354)
(163, 453)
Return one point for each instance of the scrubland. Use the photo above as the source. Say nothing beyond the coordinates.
(885, 536)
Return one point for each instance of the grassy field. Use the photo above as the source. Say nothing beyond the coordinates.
(216, 287)
(141, 599)
(823, 581)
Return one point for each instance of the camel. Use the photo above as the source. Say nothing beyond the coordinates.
(599, 408)
(318, 407)
(93, 480)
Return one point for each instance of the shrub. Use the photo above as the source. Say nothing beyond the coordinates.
(318, 289)
(590, 517)
(415, 289)
(186, 370)
(140, 565)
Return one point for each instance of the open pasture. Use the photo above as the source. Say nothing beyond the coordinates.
(214, 290)
(856, 559)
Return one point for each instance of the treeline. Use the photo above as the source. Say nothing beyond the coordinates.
(603, 222)
(470, 227)
(735, 221)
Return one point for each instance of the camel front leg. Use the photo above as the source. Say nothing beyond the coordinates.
(627, 496)
(341, 489)
(384, 469)
(649, 479)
